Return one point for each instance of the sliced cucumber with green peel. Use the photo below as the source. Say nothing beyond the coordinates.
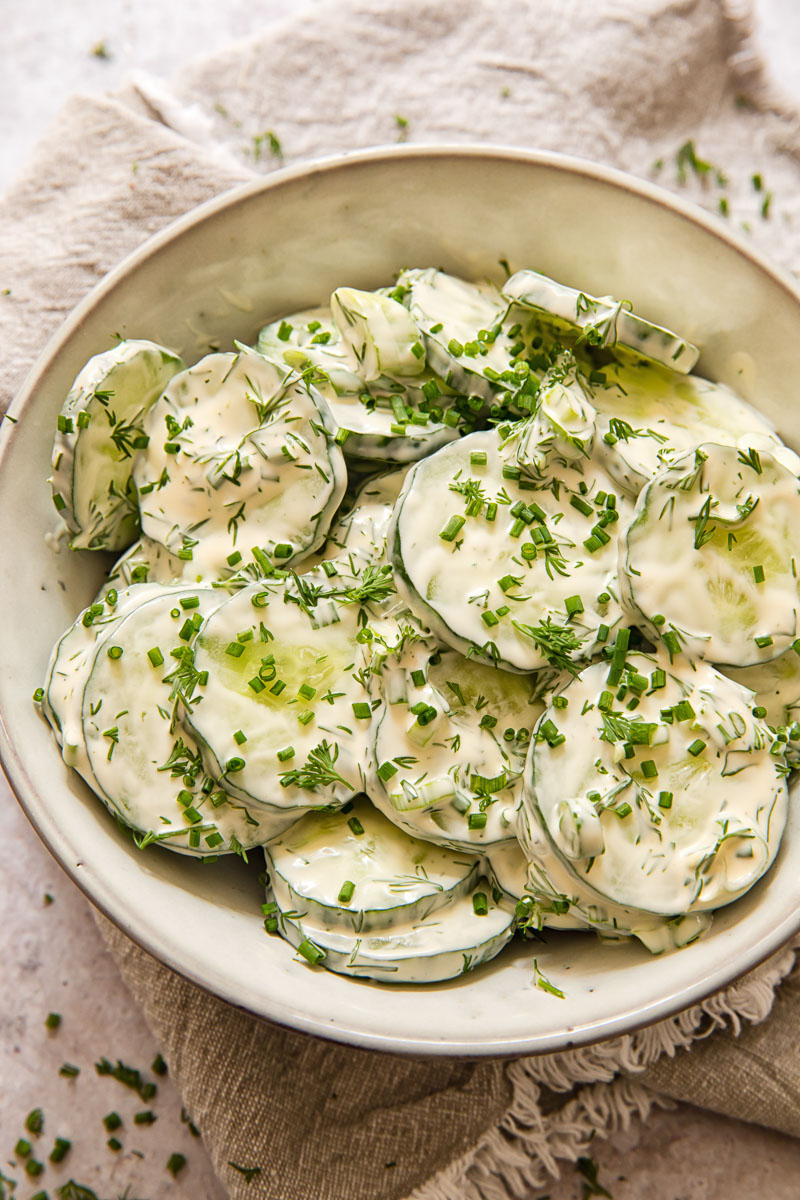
(647, 415)
(452, 941)
(776, 685)
(70, 664)
(146, 562)
(450, 747)
(555, 897)
(600, 321)
(100, 435)
(710, 561)
(674, 805)
(285, 674)
(356, 871)
(379, 334)
(145, 765)
(361, 530)
(508, 555)
(387, 419)
(241, 458)
(460, 322)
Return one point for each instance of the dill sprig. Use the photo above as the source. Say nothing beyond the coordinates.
(703, 532)
(556, 642)
(375, 584)
(318, 770)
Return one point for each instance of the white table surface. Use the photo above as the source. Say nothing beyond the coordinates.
(51, 956)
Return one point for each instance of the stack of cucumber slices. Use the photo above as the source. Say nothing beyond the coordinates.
(470, 604)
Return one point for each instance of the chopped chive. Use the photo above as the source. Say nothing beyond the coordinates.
(649, 768)
(114, 652)
(511, 472)
(282, 550)
(602, 633)
(759, 711)
(22, 1148)
(452, 529)
(480, 905)
(346, 891)
(665, 799)
(491, 511)
(175, 1163)
(310, 952)
(455, 347)
(477, 458)
(764, 640)
(212, 839)
(61, 1148)
(145, 1117)
(59, 502)
(670, 640)
(34, 1168)
(256, 684)
(606, 701)
(386, 771)
(573, 605)
(234, 558)
(155, 656)
(190, 602)
(624, 810)
(234, 764)
(53, 1020)
(34, 1122)
(239, 737)
(581, 505)
(489, 618)
(418, 678)
(487, 721)
(362, 711)
(38, 695)
(277, 687)
(658, 620)
(697, 747)
(235, 649)
(307, 691)
(476, 820)
(114, 1143)
(658, 679)
(758, 574)
(69, 1070)
(306, 717)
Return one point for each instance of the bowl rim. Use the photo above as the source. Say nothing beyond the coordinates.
(13, 764)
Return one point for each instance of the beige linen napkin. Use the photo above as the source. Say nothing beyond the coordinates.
(628, 82)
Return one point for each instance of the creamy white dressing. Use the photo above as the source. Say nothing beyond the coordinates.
(454, 583)
(450, 747)
(239, 458)
(316, 664)
(357, 871)
(685, 818)
(712, 550)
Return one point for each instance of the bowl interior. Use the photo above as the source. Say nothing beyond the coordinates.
(215, 277)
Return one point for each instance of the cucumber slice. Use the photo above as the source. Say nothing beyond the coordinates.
(601, 321)
(100, 436)
(70, 664)
(386, 418)
(356, 871)
(712, 550)
(673, 806)
(449, 942)
(361, 530)
(240, 457)
(145, 766)
(649, 414)
(553, 897)
(776, 685)
(450, 747)
(283, 671)
(461, 323)
(513, 559)
(146, 562)
(379, 334)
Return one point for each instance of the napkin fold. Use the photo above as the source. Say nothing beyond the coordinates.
(672, 90)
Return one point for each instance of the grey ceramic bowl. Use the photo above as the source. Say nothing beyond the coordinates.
(218, 274)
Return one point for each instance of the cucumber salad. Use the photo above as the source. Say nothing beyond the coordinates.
(471, 605)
